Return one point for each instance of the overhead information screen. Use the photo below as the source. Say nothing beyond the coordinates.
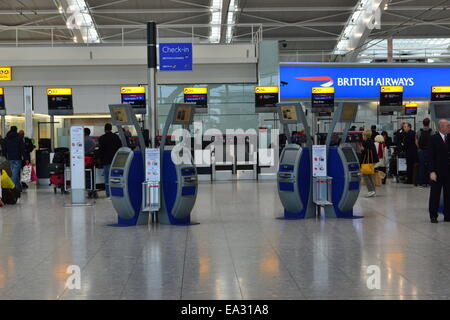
(411, 109)
(322, 99)
(197, 95)
(2, 101)
(349, 155)
(391, 96)
(440, 94)
(442, 110)
(60, 101)
(134, 96)
(266, 99)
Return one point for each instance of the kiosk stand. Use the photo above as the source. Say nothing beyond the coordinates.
(294, 172)
(127, 170)
(178, 178)
(342, 166)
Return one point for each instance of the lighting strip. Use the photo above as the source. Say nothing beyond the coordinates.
(363, 14)
(216, 20)
(231, 19)
(80, 18)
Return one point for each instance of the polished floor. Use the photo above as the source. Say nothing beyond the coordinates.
(239, 251)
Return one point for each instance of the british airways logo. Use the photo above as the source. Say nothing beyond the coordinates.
(361, 82)
(329, 80)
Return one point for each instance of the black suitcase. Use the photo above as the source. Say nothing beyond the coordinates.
(56, 168)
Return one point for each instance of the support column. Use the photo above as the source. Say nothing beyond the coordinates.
(52, 132)
(152, 114)
(390, 50)
(28, 111)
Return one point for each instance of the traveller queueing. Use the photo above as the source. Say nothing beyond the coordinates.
(422, 141)
(109, 143)
(382, 153)
(408, 143)
(14, 150)
(439, 155)
(369, 155)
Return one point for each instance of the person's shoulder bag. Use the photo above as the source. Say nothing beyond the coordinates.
(367, 166)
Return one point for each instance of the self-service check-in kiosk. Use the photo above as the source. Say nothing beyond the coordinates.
(178, 172)
(294, 173)
(342, 166)
(127, 171)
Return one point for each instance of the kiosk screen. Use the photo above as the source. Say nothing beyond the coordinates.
(183, 115)
(290, 156)
(289, 113)
(120, 115)
(349, 155)
(442, 110)
(349, 112)
(120, 160)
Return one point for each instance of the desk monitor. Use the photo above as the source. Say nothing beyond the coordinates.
(184, 114)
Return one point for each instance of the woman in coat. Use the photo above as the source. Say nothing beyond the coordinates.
(382, 153)
(369, 156)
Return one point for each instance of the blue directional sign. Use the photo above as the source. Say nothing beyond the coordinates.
(175, 56)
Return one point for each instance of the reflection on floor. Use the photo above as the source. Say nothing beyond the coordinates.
(239, 251)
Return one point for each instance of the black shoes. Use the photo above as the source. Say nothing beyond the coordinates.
(434, 220)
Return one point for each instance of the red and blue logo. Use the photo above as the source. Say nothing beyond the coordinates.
(329, 80)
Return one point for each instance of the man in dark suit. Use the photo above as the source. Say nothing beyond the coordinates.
(439, 153)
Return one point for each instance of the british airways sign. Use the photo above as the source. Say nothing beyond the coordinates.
(362, 81)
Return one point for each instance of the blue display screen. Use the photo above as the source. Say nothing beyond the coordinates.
(362, 80)
(2, 102)
(136, 100)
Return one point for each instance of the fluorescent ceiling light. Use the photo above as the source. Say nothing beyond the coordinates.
(231, 20)
(216, 20)
(78, 17)
(425, 46)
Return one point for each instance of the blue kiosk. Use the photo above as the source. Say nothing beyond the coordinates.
(342, 166)
(127, 170)
(294, 172)
(178, 173)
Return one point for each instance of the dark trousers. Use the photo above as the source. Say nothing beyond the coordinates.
(435, 197)
(423, 167)
(410, 164)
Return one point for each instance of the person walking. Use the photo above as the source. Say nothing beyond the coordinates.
(439, 156)
(29, 147)
(15, 154)
(422, 141)
(369, 156)
(108, 143)
(382, 153)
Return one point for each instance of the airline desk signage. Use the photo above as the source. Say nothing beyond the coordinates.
(391, 96)
(440, 94)
(5, 74)
(175, 56)
(361, 82)
(322, 97)
(60, 101)
(2, 101)
(135, 96)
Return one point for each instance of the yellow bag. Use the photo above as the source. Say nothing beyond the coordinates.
(368, 168)
(7, 183)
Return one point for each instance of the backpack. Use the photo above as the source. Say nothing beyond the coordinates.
(424, 138)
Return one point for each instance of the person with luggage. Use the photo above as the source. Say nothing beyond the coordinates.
(109, 143)
(382, 153)
(29, 147)
(15, 153)
(439, 156)
(369, 158)
(422, 140)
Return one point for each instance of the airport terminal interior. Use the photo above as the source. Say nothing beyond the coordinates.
(225, 150)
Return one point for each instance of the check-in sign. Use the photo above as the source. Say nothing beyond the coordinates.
(5, 74)
(175, 56)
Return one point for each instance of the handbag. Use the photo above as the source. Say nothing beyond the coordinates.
(26, 174)
(368, 168)
(33, 174)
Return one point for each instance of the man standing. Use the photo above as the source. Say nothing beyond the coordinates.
(15, 153)
(108, 143)
(422, 141)
(410, 147)
(439, 154)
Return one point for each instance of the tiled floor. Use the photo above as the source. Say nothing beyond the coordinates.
(239, 251)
